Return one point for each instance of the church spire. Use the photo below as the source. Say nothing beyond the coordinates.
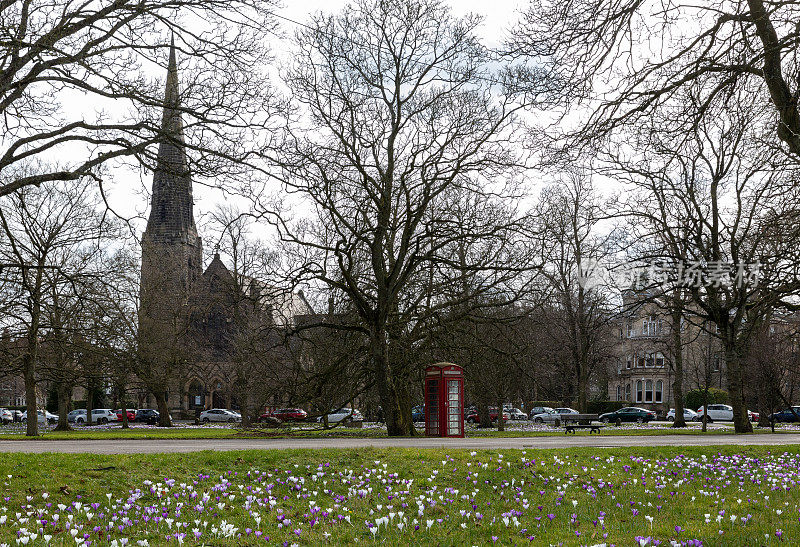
(171, 212)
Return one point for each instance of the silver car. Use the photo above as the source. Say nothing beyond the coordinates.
(43, 417)
(689, 415)
(346, 414)
(553, 415)
(517, 414)
(100, 416)
(220, 415)
(717, 413)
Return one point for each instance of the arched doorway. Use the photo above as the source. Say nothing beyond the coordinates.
(196, 395)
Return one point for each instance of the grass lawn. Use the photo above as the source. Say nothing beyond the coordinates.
(716, 495)
(370, 430)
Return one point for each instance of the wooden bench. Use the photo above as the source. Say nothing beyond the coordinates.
(573, 422)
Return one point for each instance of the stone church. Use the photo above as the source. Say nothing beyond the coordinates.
(190, 319)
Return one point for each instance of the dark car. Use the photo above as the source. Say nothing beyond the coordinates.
(147, 416)
(629, 414)
(788, 415)
(418, 414)
(538, 410)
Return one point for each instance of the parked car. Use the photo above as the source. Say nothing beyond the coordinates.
(346, 414)
(754, 416)
(147, 416)
(554, 415)
(288, 414)
(517, 414)
(493, 414)
(99, 416)
(629, 414)
(789, 415)
(538, 410)
(6, 416)
(418, 414)
(43, 416)
(219, 415)
(717, 413)
(74, 415)
(103, 416)
(689, 415)
(130, 412)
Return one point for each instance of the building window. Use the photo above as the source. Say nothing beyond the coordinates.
(638, 391)
(659, 390)
(619, 393)
(628, 362)
(649, 360)
(648, 391)
(716, 362)
(630, 330)
(651, 326)
(627, 392)
(640, 361)
(659, 359)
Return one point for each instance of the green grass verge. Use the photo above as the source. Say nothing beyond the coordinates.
(718, 495)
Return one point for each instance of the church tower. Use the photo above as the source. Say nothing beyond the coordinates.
(171, 249)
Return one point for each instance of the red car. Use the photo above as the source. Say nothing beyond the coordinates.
(474, 418)
(131, 414)
(286, 414)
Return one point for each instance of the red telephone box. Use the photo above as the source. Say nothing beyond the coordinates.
(444, 400)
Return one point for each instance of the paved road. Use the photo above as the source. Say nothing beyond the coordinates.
(144, 446)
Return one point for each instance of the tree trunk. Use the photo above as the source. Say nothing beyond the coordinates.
(677, 363)
(244, 400)
(124, 408)
(163, 409)
(583, 388)
(484, 415)
(396, 410)
(705, 407)
(741, 421)
(29, 374)
(89, 402)
(501, 426)
(64, 391)
(32, 354)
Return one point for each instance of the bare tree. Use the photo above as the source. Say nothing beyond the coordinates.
(401, 121)
(46, 232)
(718, 192)
(253, 300)
(623, 59)
(54, 51)
(580, 309)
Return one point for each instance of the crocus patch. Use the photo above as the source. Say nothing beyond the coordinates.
(421, 497)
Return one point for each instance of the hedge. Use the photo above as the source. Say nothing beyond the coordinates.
(601, 407)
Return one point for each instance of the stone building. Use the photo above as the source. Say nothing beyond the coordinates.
(643, 372)
(191, 319)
